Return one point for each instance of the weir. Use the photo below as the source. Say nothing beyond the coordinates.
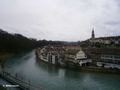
(21, 84)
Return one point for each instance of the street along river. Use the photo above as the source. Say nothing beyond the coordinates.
(49, 77)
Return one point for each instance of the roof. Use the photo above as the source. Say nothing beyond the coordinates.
(104, 50)
(72, 52)
(73, 47)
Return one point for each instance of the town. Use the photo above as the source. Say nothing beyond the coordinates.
(94, 53)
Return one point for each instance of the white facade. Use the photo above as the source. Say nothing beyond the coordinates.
(81, 55)
(96, 40)
(107, 41)
(53, 59)
(82, 58)
(104, 40)
(109, 61)
(84, 61)
(114, 58)
(100, 40)
(47, 56)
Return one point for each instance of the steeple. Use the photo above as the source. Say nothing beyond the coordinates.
(93, 35)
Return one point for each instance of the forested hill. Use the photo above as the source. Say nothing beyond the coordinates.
(15, 43)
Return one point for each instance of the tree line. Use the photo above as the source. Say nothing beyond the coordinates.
(16, 43)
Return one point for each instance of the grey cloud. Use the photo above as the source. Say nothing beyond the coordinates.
(113, 23)
(60, 19)
(118, 2)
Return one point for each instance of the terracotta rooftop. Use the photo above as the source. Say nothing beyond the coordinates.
(72, 52)
(73, 47)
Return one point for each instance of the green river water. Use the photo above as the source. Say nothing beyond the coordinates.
(50, 77)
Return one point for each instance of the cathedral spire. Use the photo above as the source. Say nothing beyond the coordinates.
(93, 35)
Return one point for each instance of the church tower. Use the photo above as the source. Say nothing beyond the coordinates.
(93, 35)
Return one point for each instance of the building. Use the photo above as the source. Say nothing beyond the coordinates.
(82, 59)
(104, 57)
(49, 54)
(93, 35)
(108, 65)
(109, 61)
(104, 40)
(60, 55)
(77, 56)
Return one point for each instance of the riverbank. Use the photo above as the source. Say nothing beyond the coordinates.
(3, 56)
(2, 88)
(100, 70)
(51, 77)
(88, 68)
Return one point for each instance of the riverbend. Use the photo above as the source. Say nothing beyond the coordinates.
(50, 77)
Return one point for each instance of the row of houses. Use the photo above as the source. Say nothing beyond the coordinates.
(49, 54)
(105, 57)
(106, 40)
(109, 61)
(71, 55)
(59, 55)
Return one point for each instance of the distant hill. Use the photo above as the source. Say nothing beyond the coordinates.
(15, 43)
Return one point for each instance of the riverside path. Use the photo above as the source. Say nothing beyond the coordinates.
(16, 81)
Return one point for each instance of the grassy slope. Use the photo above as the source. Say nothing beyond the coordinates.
(3, 57)
(2, 88)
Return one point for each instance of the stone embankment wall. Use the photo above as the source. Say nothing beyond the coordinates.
(100, 70)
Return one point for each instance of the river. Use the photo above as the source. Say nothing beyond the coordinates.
(50, 77)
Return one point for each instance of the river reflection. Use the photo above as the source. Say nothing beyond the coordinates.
(47, 67)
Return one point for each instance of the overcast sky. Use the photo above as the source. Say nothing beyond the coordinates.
(67, 20)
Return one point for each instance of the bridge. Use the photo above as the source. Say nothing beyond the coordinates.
(21, 84)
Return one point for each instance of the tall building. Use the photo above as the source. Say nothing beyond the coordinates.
(93, 35)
